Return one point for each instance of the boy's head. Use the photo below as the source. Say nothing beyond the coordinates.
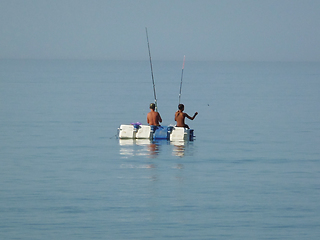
(152, 106)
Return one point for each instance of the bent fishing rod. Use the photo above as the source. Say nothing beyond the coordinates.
(184, 58)
(154, 86)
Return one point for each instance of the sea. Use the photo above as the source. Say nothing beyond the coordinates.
(252, 172)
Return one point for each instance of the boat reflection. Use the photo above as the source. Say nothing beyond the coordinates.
(152, 149)
(179, 148)
(139, 147)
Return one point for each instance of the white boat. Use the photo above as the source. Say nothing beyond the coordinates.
(139, 131)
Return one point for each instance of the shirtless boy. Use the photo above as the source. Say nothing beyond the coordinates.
(153, 117)
(180, 116)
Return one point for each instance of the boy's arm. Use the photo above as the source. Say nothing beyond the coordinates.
(196, 113)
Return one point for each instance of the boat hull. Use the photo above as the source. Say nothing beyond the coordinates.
(172, 133)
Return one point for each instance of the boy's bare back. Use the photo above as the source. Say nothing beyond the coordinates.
(154, 118)
(179, 117)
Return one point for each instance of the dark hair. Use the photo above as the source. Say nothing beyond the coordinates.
(152, 106)
(181, 107)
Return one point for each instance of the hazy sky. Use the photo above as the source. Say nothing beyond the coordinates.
(244, 30)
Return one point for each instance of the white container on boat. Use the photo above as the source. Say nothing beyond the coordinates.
(126, 131)
(134, 131)
(143, 132)
(181, 134)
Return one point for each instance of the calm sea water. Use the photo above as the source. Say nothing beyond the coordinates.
(253, 171)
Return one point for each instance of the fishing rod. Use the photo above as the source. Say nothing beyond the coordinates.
(184, 58)
(154, 86)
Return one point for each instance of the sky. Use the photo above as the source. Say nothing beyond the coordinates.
(209, 30)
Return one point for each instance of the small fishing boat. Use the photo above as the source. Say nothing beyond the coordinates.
(140, 131)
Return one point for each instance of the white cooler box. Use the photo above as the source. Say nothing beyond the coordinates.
(134, 131)
(181, 134)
